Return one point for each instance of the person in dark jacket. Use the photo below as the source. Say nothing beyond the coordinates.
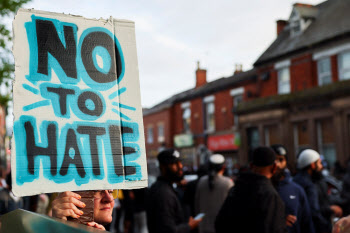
(164, 210)
(310, 173)
(298, 214)
(253, 205)
(345, 193)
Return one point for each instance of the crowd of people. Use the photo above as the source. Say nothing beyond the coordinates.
(264, 198)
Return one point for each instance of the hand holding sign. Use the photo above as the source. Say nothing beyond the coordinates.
(65, 205)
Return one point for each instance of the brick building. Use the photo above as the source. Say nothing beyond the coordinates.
(297, 94)
(199, 118)
(301, 96)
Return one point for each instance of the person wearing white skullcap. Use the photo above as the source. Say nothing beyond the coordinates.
(211, 192)
(310, 178)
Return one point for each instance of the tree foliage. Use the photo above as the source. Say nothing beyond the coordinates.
(7, 9)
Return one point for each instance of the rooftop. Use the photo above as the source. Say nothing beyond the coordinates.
(207, 89)
(331, 20)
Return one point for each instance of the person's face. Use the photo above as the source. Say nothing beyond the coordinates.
(316, 170)
(319, 165)
(103, 206)
(175, 171)
(281, 162)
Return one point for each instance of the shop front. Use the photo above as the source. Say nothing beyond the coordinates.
(185, 145)
(227, 145)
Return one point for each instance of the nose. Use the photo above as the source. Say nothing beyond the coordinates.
(107, 197)
(179, 164)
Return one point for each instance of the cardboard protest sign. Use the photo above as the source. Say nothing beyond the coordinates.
(77, 110)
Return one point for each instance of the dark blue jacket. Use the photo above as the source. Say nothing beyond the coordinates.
(321, 223)
(296, 203)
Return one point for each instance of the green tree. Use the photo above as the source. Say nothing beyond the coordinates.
(7, 9)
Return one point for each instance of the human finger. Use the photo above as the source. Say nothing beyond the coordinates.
(96, 225)
(72, 200)
(64, 206)
(67, 206)
(69, 194)
(292, 218)
(64, 213)
(342, 226)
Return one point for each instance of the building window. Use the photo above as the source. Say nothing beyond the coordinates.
(326, 140)
(186, 119)
(253, 140)
(236, 100)
(324, 71)
(210, 116)
(344, 65)
(295, 27)
(295, 23)
(150, 135)
(301, 137)
(283, 80)
(160, 133)
(272, 135)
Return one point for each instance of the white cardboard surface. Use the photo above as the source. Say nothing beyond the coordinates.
(89, 113)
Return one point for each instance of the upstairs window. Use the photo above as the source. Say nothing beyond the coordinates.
(344, 65)
(294, 23)
(283, 80)
(324, 71)
(236, 100)
(295, 27)
(150, 135)
(237, 95)
(209, 113)
(186, 117)
(160, 132)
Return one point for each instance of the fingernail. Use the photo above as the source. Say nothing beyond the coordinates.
(81, 212)
(84, 205)
(78, 216)
(79, 197)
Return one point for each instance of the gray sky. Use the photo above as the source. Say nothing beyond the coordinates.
(172, 36)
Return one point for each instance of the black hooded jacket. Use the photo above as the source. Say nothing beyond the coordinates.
(253, 206)
(164, 210)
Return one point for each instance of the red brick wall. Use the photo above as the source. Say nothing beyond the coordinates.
(249, 88)
(178, 124)
(302, 73)
(263, 88)
(269, 87)
(223, 110)
(334, 65)
(197, 117)
(154, 119)
(201, 77)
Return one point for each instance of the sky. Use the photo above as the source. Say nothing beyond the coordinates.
(171, 36)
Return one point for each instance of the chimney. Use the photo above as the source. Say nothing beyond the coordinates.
(238, 68)
(280, 25)
(201, 76)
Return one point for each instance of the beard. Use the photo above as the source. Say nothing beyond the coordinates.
(174, 176)
(277, 176)
(316, 175)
